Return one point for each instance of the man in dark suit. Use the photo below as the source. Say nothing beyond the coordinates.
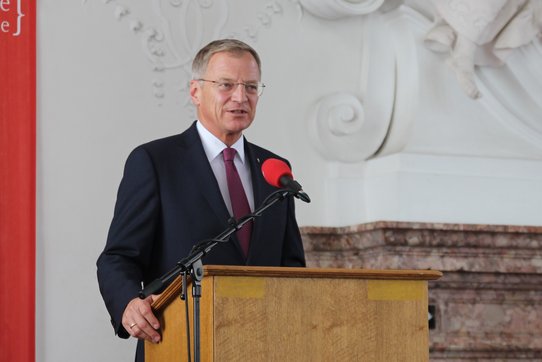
(176, 191)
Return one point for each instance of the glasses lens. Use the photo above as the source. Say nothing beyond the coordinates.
(250, 88)
(227, 87)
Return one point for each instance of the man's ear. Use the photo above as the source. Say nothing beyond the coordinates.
(195, 92)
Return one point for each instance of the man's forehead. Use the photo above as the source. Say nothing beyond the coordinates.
(225, 60)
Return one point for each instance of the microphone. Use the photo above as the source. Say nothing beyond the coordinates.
(278, 174)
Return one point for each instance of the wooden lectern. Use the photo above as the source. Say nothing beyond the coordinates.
(300, 314)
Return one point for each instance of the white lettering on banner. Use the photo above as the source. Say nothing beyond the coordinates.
(4, 5)
(9, 19)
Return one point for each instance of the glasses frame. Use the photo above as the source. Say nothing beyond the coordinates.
(259, 91)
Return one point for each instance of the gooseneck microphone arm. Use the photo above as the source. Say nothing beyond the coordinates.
(204, 247)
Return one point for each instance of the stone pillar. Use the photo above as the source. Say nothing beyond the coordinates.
(488, 304)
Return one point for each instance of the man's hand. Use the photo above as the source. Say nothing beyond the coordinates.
(139, 320)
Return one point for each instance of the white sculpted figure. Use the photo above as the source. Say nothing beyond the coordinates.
(482, 32)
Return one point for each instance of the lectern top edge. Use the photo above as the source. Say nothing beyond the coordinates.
(288, 272)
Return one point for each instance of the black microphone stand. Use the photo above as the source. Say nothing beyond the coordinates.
(192, 263)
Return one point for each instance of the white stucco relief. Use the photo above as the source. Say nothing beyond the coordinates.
(378, 118)
(482, 33)
(336, 9)
(184, 26)
(494, 51)
(348, 128)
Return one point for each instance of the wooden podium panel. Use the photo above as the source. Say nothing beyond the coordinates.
(300, 314)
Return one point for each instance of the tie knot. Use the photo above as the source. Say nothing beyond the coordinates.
(229, 153)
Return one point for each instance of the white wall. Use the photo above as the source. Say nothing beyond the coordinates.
(405, 142)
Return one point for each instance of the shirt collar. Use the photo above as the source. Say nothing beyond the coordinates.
(213, 146)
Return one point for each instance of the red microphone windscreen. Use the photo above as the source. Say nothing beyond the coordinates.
(273, 169)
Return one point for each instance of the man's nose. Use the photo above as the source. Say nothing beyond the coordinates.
(239, 93)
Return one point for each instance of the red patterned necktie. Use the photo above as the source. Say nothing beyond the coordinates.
(238, 197)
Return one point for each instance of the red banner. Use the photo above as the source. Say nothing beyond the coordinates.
(17, 179)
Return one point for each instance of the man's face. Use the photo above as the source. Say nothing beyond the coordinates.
(226, 113)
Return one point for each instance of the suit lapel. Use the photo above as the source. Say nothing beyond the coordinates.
(260, 188)
(199, 166)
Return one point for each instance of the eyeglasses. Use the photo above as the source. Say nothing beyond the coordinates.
(226, 86)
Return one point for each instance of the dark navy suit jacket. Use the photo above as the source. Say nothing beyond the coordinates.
(167, 201)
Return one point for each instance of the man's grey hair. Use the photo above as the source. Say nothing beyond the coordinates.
(233, 46)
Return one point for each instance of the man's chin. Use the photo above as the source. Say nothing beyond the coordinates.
(239, 123)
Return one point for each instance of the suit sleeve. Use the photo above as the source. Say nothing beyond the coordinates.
(121, 265)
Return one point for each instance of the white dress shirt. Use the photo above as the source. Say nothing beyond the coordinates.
(213, 150)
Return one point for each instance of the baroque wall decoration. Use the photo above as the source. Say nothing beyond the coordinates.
(183, 27)
(336, 9)
(380, 123)
(482, 33)
(505, 31)
(377, 118)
